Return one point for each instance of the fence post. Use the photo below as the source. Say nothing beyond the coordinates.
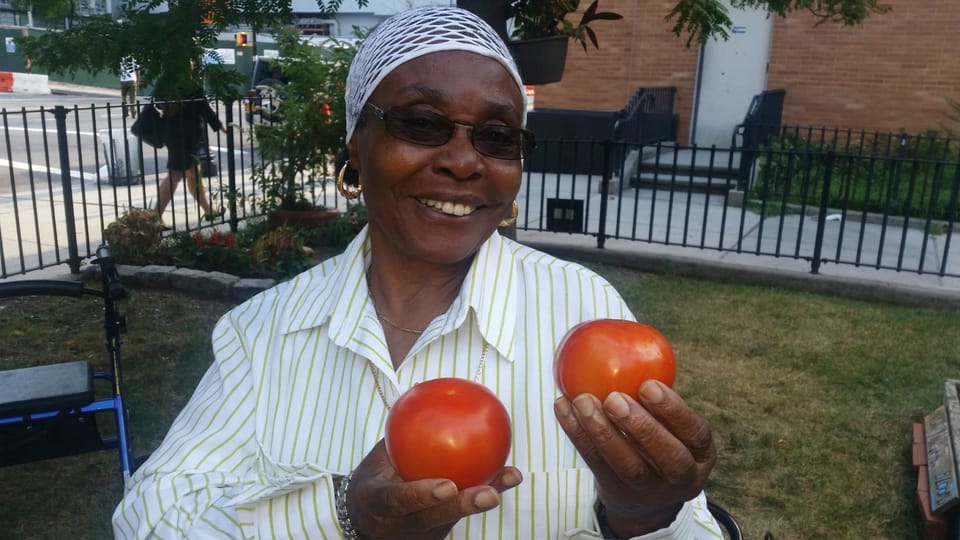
(60, 115)
(604, 194)
(231, 170)
(822, 214)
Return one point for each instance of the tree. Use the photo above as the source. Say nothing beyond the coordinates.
(162, 35)
(703, 19)
(55, 9)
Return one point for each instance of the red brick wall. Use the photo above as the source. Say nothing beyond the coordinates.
(893, 72)
(639, 50)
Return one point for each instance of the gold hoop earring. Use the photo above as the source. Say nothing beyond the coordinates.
(342, 188)
(513, 216)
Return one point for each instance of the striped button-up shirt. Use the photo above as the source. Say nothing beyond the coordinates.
(290, 402)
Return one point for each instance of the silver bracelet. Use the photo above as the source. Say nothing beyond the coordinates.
(343, 517)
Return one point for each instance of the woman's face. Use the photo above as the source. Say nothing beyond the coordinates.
(438, 204)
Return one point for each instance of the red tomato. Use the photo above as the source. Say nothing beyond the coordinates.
(607, 355)
(448, 428)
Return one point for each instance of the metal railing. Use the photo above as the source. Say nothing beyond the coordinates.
(821, 203)
(822, 206)
(67, 173)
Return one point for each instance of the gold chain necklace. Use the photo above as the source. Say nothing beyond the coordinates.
(383, 395)
(389, 321)
(384, 318)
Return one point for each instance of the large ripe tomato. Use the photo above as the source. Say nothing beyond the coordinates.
(448, 428)
(607, 355)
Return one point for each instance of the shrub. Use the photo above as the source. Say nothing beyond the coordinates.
(280, 253)
(310, 122)
(252, 229)
(214, 251)
(340, 231)
(886, 173)
(255, 250)
(135, 237)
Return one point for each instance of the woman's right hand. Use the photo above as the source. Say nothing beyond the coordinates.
(381, 505)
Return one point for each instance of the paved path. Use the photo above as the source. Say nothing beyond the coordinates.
(715, 223)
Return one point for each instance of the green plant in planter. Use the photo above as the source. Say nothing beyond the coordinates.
(297, 148)
(546, 18)
(135, 237)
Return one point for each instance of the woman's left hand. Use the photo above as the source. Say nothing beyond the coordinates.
(649, 455)
(382, 505)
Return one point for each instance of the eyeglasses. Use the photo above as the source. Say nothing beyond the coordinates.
(420, 126)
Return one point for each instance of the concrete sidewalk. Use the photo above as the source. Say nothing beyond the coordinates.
(60, 87)
(653, 225)
(862, 283)
(40, 84)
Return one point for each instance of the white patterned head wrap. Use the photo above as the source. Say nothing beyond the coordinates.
(414, 33)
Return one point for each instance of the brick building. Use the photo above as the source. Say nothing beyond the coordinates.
(895, 71)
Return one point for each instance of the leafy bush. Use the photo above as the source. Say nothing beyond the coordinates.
(252, 229)
(340, 231)
(254, 251)
(135, 237)
(281, 253)
(310, 127)
(215, 251)
(884, 173)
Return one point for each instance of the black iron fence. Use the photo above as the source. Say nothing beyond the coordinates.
(67, 173)
(830, 199)
(822, 204)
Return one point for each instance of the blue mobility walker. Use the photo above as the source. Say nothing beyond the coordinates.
(51, 410)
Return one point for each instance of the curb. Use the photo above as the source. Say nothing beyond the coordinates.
(229, 286)
(213, 284)
(856, 289)
(62, 87)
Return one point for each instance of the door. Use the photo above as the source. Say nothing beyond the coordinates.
(729, 73)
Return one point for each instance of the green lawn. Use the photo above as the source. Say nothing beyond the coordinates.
(811, 399)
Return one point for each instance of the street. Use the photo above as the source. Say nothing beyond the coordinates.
(104, 167)
(31, 149)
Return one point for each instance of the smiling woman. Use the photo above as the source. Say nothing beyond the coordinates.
(434, 196)
(284, 435)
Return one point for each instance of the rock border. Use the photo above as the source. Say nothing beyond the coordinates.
(215, 284)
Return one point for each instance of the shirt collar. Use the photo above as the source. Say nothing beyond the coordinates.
(340, 298)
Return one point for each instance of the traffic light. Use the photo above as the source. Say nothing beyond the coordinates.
(243, 39)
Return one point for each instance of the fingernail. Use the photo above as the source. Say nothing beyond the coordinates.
(584, 404)
(617, 405)
(485, 500)
(562, 406)
(444, 490)
(652, 391)
(512, 478)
